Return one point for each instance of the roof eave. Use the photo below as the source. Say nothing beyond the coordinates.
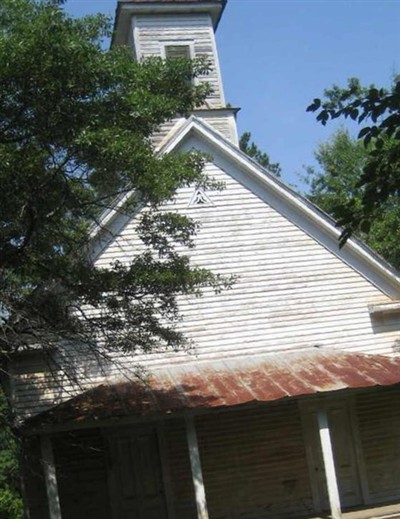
(126, 9)
(228, 383)
(356, 254)
(353, 246)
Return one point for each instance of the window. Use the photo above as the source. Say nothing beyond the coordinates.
(177, 52)
(178, 49)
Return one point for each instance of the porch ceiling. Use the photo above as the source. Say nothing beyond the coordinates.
(227, 383)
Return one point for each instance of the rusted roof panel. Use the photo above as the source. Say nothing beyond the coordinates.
(228, 383)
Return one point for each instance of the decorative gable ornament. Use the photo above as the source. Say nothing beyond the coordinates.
(298, 354)
(200, 198)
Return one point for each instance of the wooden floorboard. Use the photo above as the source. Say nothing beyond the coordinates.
(379, 512)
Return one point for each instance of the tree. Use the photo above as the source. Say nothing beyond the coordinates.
(336, 184)
(75, 137)
(75, 128)
(378, 111)
(10, 500)
(253, 151)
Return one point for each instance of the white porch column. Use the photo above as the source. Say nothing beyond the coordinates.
(50, 478)
(329, 464)
(197, 474)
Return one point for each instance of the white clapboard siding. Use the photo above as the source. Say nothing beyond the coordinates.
(379, 425)
(223, 123)
(290, 293)
(164, 130)
(152, 32)
(290, 290)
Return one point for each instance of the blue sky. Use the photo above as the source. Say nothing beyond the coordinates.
(277, 55)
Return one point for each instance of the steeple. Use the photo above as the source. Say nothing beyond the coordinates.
(186, 28)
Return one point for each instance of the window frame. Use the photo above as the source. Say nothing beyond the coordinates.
(177, 43)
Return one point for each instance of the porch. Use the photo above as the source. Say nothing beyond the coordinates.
(380, 512)
(317, 455)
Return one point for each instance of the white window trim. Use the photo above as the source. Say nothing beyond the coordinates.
(177, 43)
(182, 43)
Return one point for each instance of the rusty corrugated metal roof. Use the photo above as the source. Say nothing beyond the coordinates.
(228, 383)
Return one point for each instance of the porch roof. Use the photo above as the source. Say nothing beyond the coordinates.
(227, 383)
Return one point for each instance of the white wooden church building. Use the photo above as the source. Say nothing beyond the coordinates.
(289, 404)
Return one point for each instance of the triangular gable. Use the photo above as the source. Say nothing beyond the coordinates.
(294, 289)
(196, 134)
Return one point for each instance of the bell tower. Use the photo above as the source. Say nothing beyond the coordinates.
(181, 28)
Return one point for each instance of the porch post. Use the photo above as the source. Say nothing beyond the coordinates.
(329, 464)
(50, 478)
(197, 474)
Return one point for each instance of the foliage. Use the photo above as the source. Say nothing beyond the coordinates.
(253, 151)
(75, 128)
(378, 111)
(336, 184)
(10, 501)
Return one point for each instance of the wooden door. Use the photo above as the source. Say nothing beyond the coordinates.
(136, 483)
(346, 466)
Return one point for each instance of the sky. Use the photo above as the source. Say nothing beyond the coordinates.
(277, 55)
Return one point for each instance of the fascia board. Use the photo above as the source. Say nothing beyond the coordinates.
(108, 215)
(385, 308)
(178, 132)
(213, 8)
(304, 214)
(125, 10)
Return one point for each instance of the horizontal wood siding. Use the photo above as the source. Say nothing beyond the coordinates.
(164, 130)
(290, 293)
(224, 124)
(379, 428)
(153, 32)
(254, 464)
(221, 123)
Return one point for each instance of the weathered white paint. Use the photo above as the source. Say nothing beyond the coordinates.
(358, 450)
(126, 10)
(153, 31)
(221, 120)
(329, 464)
(294, 287)
(392, 307)
(378, 423)
(50, 478)
(288, 287)
(195, 464)
(342, 433)
(149, 35)
(291, 292)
